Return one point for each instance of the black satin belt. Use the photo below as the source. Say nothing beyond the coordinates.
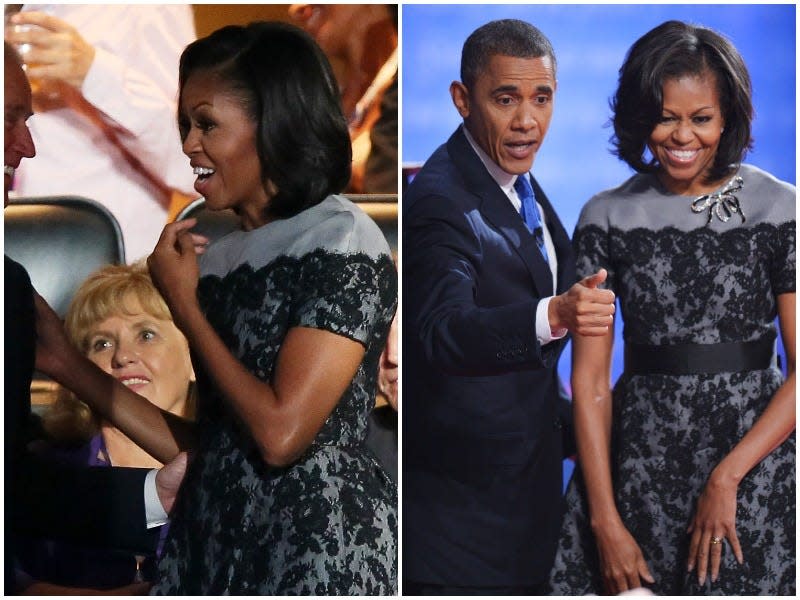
(696, 359)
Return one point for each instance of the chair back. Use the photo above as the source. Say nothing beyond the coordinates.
(216, 223)
(60, 240)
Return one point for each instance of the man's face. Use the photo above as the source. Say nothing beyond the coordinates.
(508, 109)
(17, 142)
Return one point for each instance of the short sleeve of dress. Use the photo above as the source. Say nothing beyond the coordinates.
(591, 241)
(349, 294)
(783, 267)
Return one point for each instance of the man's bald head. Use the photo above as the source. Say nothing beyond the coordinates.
(17, 107)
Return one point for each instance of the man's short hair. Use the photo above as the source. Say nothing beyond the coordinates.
(506, 37)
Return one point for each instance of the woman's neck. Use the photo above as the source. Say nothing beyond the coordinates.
(693, 188)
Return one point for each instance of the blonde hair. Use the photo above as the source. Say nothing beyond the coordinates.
(110, 291)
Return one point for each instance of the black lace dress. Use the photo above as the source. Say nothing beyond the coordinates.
(683, 280)
(327, 524)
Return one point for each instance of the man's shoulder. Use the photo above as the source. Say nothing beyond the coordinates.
(441, 178)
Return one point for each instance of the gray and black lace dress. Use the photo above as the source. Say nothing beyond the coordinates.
(684, 280)
(327, 524)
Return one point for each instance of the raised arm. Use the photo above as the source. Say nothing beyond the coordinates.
(460, 332)
(161, 434)
(314, 367)
(125, 67)
(621, 562)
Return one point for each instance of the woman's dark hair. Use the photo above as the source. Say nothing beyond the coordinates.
(287, 85)
(672, 50)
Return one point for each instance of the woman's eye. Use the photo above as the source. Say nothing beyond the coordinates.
(666, 119)
(100, 344)
(701, 120)
(148, 335)
(204, 126)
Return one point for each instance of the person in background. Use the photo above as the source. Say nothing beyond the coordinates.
(94, 506)
(489, 296)
(685, 481)
(104, 88)
(361, 40)
(120, 322)
(383, 424)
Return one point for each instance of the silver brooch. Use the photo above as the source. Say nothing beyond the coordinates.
(722, 203)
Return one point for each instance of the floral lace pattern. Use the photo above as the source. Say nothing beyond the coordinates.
(327, 524)
(669, 432)
(696, 286)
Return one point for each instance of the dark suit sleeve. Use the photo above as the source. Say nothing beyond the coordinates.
(464, 304)
(96, 506)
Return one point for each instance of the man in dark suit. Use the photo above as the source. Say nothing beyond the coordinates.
(101, 505)
(489, 295)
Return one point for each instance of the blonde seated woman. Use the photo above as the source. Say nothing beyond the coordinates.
(121, 323)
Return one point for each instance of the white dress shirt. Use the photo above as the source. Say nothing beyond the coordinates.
(155, 514)
(506, 182)
(133, 80)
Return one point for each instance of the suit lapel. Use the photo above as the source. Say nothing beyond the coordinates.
(498, 210)
(564, 253)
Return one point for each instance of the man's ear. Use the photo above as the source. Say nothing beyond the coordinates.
(460, 95)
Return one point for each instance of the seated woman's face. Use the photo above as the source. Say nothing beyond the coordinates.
(147, 354)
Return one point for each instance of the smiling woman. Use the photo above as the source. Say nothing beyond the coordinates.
(686, 482)
(120, 322)
(286, 319)
(686, 138)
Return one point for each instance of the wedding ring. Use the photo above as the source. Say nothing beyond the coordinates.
(715, 541)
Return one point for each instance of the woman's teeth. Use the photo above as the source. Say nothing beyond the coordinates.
(683, 154)
(203, 171)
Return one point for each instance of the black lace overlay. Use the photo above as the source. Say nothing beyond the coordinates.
(698, 286)
(669, 432)
(327, 524)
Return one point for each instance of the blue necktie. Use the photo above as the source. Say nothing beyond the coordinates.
(530, 213)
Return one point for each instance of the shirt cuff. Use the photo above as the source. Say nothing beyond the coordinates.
(154, 512)
(544, 334)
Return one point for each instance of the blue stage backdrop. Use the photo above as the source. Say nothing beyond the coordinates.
(590, 43)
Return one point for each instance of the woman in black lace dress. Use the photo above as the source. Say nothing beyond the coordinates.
(686, 481)
(286, 319)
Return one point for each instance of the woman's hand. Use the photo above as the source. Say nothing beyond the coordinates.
(173, 266)
(622, 564)
(714, 521)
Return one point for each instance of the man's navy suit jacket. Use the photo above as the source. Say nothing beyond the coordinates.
(482, 413)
